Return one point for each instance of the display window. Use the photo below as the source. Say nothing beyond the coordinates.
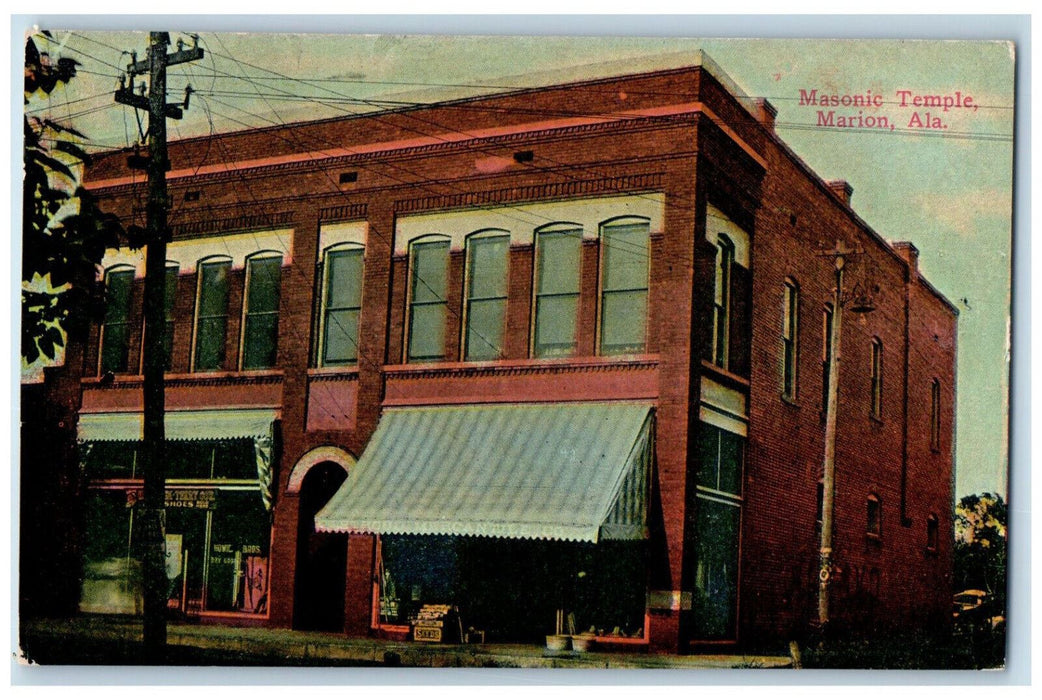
(718, 508)
(217, 530)
(512, 590)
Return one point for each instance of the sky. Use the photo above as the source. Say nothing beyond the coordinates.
(947, 189)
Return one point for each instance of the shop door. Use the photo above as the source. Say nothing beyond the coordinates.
(321, 556)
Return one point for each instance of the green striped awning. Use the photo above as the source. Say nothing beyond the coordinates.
(574, 471)
(215, 424)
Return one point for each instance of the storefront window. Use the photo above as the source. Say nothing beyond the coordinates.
(512, 589)
(718, 523)
(217, 529)
(111, 568)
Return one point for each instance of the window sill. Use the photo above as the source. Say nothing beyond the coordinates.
(726, 375)
(874, 539)
(188, 377)
(931, 552)
(789, 401)
(334, 370)
(878, 420)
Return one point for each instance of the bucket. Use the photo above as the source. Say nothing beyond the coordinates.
(558, 642)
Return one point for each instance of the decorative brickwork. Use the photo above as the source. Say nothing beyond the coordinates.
(722, 156)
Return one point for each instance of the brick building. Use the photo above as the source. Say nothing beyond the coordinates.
(557, 349)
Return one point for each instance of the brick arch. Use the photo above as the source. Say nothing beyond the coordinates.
(325, 453)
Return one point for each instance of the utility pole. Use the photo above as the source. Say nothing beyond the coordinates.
(153, 515)
(862, 305)
(829, 476)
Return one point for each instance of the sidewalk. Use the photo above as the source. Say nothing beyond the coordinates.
(100, 640)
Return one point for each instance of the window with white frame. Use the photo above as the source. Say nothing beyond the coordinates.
(558, 250)
(722, 300)
(428, 294)
(115, 330)
(624, 286)
(260, 328)
(485, 308)
(211, 314)
(342, 268)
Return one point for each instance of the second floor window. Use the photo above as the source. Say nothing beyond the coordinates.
(428, 293)
(260, 335)
(211, 322)
(170, 294)
(935, 414)
(342, 305)
(624, 287)
(557, 255)
(722, 300)
(790, 338)
(486, 295)
(115, 332)
(877, 378)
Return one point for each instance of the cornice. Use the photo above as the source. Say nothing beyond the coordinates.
(319, 163)
(551, 190)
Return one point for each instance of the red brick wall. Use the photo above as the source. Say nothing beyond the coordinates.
(789, 217)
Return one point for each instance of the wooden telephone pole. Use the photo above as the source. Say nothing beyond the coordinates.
(152, 516)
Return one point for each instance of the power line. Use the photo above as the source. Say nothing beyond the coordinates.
(389, 242)
(574, 88)
(378, 103)
(364, 102)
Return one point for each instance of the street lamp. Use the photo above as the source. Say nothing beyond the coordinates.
(862, 303)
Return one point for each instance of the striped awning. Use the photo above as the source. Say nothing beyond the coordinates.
(575, 471)
(218, 424)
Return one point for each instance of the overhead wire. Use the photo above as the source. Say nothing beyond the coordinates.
(283, 77)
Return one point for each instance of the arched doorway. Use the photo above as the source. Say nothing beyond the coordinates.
(318, 602)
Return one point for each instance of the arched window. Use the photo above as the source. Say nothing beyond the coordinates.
(790, 338)
(342, 269)
(624, 286)
(874, 516)
(211, 314)
(558, 250)
(877, 378)
(485, 309)
(169, 296)
(115, 330)
(722, 300)
(260, 334)
(931, 532)
(428, 294)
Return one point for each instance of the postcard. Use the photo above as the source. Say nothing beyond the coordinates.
(515, 351)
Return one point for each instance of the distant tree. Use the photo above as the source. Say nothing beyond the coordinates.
(64, 233)
(980, 545)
